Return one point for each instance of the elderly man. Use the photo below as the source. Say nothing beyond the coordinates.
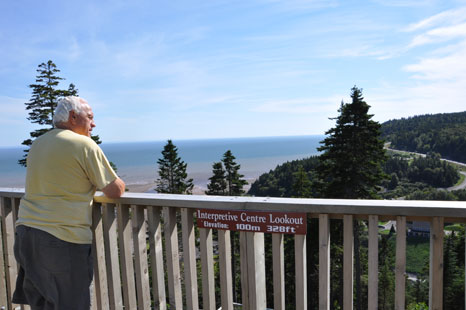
(53, 235)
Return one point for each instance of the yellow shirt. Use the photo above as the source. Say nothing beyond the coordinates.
(63, 171)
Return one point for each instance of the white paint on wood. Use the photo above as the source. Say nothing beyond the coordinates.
(156, 257)
(111, 256)
(140, 257)
(436, 264)
(126, 256)
(207, 263)
(453, 209)
(189, 258)
(8, 243)
(348, 262)
(243, 243)
(373, 262)
(400, 264)
(4, 296)
(301, 271)
(278, 271)
(256, 270)
(100, 272)
(226, 286)
(324, 262)
(173, 258)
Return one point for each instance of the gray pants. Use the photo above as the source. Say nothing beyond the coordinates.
(53, 274)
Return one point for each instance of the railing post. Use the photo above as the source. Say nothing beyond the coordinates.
(278, 272)
(373, 284)
(8, 232)
(324, 262)
(400, 268)
(189, 257)
(173, 258)
(207, 261)
(436, 264)
(140, 257)
(255, 270)
(243, 242)
(100, 272)
(156, 257)
(300, 271)
(348, 256)
(4, 300)
(111, 256)
(226, 286)
(126, 258)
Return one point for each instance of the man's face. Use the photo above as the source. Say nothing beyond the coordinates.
(84, 121)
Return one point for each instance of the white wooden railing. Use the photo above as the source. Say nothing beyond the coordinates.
(141, 230)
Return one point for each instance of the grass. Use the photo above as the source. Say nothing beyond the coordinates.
(417, 254)
(462, 177)
(384, 232)
(454, 227)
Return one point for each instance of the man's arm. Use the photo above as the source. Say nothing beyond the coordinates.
(114, 189)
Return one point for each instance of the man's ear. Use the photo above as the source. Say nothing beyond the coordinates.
(72, 117)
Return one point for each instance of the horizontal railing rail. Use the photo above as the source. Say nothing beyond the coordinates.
(150, 254)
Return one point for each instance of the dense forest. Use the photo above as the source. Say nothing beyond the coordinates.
(406, 175)
(279, 181)
(441, 133)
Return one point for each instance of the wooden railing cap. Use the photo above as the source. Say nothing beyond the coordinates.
(454, 209)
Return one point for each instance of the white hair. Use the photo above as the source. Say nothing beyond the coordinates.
(64, 106)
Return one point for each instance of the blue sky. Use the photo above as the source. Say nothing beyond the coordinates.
(157, 70)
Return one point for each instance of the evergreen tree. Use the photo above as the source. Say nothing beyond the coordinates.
(386, 275)
(234, 179)
(302, 185)
(218, 184)
(353, 153)
(227, 180)
(43, 102)
(173, 178)
(350, 166)
(453, 272)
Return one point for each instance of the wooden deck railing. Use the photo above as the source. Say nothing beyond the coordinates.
(140, 263)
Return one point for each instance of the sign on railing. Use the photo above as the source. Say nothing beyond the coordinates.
(267, 222)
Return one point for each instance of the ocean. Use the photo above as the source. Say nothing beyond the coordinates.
(137, 161)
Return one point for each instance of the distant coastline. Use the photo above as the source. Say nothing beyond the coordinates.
(137, 161)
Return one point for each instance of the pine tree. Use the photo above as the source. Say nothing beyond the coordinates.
(234, 179)
(386, 275)
(350, 165)
(302, 186)
(43, 102)
(173, 178)
(227, 180)
(218, 184)
(353, 153)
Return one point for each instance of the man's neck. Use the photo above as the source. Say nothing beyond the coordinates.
(63, 126)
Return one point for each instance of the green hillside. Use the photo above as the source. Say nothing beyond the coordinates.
(441, 133)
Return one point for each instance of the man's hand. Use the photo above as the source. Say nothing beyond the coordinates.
(114, 189)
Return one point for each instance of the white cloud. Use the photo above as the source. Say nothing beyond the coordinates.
(299, 5)
(12, 108)
(405, 3)
(447, 17)
(396, 102)
(450, 67)
(438, 76)
(298, 106)
(439, 35)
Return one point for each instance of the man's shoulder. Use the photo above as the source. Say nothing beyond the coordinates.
(66, 141)
(68, 136)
